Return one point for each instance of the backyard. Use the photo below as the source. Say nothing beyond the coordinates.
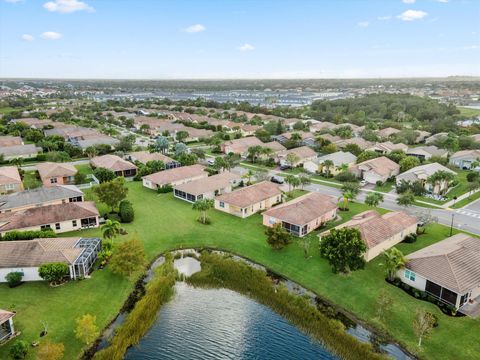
(163, 223)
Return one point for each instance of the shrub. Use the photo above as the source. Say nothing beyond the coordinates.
(14, 278)
(126, 211)
(104, 175)
(346, 176)
(28, 235)
(53, 272)
(379, 183)
(165, 189)
(80, 178)
(409, 239)
(19, 350)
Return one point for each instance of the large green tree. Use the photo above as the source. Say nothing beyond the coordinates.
(203, 206)
(393, 261)
(111, 192)
(128, 258)
(343, 248)
(277, 236)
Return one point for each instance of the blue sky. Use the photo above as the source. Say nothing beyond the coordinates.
(154, 39)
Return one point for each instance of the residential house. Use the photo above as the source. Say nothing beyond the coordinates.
(448, 270)
(380, 232)
(7, 330)
(56, 173)
(33, 123)
(329, 137)
(386, 133)
(10, 180)
(387, 147)
(249, 200)
(26, 256)
(361, 143)
(376, 170)
(465, 158)
(144, 157)
(240, 146)
(421, 136)
(42, 196)
(114, 163)
(275, 146)
(174, 177)
(426, 152)
(306, 138)
(60, 218)
(27, 151)
(422, 173)
(436, 137)
(302, 215)
(339, 160)
(302, 154)
(10, 141)
(475, 137)
(324, 125)
(208, 187)
(249, 130)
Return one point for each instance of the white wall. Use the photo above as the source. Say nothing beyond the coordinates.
(419, 283)
(30, 273)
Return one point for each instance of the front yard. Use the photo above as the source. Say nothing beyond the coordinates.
(163, 223)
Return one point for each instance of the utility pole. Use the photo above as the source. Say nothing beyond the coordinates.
(451, 225)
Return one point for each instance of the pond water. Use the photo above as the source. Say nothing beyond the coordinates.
(222, 324)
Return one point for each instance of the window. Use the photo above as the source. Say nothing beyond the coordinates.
(53, 180)
(221, 204)
(410, 275)
(45, 227)
(9, 186)
(57, 226)
(271, 221)
(74, 223)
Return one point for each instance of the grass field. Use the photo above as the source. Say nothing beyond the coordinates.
(163, 223)
(467, 112)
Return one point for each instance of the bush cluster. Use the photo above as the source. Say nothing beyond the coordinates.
(27, 235)
(126, 211)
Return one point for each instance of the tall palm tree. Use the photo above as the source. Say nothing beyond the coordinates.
(248, 175)
(327, 165)
(394, 261)
(440, 177)
(203, 206)
(110, 229)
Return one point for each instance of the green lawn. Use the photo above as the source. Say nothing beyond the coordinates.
(469, 113)
(84, 168)
(385, 187)
(467, 200)
(164, 223)
(30, 180)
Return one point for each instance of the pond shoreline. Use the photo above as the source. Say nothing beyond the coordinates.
(323, 305)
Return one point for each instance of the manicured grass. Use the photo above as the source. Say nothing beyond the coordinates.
(164, 223)
(30, 180)
(385, 187)
(467, 112)
(84, 169)
(467, 200)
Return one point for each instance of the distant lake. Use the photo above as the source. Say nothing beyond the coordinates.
(206, 324)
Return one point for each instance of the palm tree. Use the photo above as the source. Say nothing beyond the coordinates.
(343, 168)
(327, 164)
(91, 151)
(292, 180)
(203, 206)
(441, 177)
(394, 261)
(110, 229)
(373, 199)
(248, 175)
(347, 196)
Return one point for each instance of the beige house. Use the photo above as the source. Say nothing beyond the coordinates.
(387, 132)
(339, 159)
(448, 270)
(387, 147)
(10, 141)
(114, 163)
(249, 200)
(10, 180)
(240, 146)
(26, 151)
(302, 215)
(144, 157)
(381, 232)
(174, 177)
(422, 173)
(302, 155)
(56, 173)
(374, 170)
(426, 152)
(42, 196)
(207, 188)
(60, 218)
(361, 143)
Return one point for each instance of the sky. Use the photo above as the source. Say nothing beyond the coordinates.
(169, 39)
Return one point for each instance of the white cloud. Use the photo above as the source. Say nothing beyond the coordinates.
(13, 1)
(443, 1)
(195, 28)
(51, 35)
(471, 47)
(246, 47)
(386, 17)
(27, 37)
(411, 15)
(67, 6)
(408, 1)
(363, 24)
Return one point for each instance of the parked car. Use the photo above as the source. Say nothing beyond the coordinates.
(210, 161)
(285, 167)
(276, 180)
(363, 183)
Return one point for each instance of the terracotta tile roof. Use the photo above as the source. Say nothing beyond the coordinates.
(275, 146)
(303, 209)
(386, 132)
(145, 156)
(422, 172)
(376, 228)
(49, 214)
(112, 162)
(363, 144)
(33, 253)
(10, 140)
(9, 175)
(172, 175)
(209, 184)
(5, 315)
(251, 194)
(241, 145)
(51, 169)
(19, 150)
(468, 154)
(389, 146)
(453, 263)
(381, 165)
(303, 152)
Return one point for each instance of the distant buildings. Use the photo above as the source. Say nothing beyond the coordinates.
(465, 159)
(427, 152)
(338, 159)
